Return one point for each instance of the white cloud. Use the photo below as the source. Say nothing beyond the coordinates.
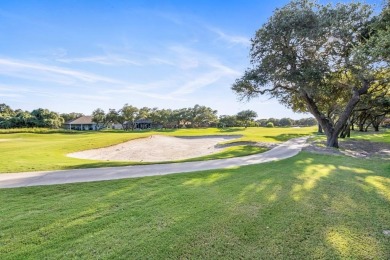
(209, 70)
(42, 72)
(10, 95)
(102, 60)
(231, 39)
(158, 61)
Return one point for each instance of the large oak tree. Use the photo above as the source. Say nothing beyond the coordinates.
(313, 58)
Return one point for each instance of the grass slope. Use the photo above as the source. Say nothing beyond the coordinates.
(306, 207)
(47, 150)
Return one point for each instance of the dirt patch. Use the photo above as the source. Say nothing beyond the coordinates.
(157, 148)
(352, 148)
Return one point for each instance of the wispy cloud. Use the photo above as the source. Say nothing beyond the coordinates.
(209, 70)
(135, 89)
(231, 39)
(24, 91)
(9, 95)
(102, 60)
(201, 80)
(87, 97)
(157, 61)
(42, 72)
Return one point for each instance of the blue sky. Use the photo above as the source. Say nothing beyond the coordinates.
(76, 56)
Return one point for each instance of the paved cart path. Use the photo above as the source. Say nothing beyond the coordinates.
(24, 179)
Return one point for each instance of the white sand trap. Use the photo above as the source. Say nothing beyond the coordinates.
(156, 148)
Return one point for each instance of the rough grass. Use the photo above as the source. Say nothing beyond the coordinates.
(306, 207)
(47, 150)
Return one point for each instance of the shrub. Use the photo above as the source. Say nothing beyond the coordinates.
(270, 124)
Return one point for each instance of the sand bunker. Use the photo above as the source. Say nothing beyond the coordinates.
(157, 148)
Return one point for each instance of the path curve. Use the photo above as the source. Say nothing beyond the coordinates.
(24, 179)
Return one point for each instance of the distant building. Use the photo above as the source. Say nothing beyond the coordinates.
(83, 123)
(143, 124)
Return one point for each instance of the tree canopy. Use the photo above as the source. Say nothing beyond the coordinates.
(314, 58)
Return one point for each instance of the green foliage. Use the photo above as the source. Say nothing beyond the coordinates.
(306, 207)
(378, 43)
(228, 121)
(100, 118)
(37, 118)
(246, 116)
(270, 124)
(71, 116)
(285, 122)
(313, 58)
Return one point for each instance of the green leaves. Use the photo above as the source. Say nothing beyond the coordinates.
(317, 58)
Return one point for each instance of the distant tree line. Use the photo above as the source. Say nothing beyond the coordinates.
(236, 120)
(18, 118)
(197, 116)
(371, 112)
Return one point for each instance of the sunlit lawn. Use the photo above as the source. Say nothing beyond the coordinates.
(47, 151)
(381, 136)
(306, 207)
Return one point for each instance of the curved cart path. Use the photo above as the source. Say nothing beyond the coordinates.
(24, 179)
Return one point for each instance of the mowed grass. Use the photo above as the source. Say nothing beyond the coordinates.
(47, 151)
(381, 136)
(305, 207)
(230, 152)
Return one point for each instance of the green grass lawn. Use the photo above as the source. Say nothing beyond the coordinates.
(381, 136)
(305, 207)
(47, 150)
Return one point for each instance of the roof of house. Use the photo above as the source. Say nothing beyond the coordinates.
(140, 121)
(84, 120)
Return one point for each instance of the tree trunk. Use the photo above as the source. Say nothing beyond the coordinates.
(320, 129)
(352, 122)
(332, 140)
(346, 132)
(343, 133)
(376, 121)
(332, 131)
(361, 127)
(368, 125)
